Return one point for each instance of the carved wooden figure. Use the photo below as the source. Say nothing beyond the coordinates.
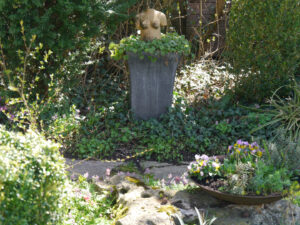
(149, 22)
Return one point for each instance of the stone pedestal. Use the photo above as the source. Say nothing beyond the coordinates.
(151, 84)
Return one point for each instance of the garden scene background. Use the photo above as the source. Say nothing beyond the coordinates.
(63, 94)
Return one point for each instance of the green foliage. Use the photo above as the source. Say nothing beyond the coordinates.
(263, 46)
(260, 178)
(286, 113)
(268, 180)
(60, 25)
(20, 94)
(177, 135)
(87, 206)
(64, 127)
(283, 152)
(294, 193)
(169, 43)
(32, 179)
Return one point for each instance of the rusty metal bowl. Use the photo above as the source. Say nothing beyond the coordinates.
(240, 199)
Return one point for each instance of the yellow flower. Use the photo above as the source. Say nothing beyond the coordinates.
(259, 153)
(201, 163)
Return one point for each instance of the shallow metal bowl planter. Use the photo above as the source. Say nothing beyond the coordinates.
(151, 83)
(240, 199)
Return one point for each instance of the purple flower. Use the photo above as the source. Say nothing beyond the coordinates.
(111, 189)
(177, 179)
(204, 157)
(246, 143)
(197, 157)
(239, 142)
(95, 178)
(3, 108)
(107, 172)
(147, 171)
(254, 144)
(130, 174)
(86, 175)
(184, 181)
(54, 117)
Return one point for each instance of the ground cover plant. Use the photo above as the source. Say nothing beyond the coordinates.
(85, 205)
(182, 132)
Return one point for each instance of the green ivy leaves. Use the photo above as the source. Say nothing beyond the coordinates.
(169, 43)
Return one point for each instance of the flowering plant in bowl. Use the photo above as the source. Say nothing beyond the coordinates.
(245, 171)
(204, 167)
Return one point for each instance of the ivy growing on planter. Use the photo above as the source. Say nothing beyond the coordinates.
(169, 43)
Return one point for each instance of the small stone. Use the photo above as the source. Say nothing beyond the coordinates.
(245, 214)
(164, 201)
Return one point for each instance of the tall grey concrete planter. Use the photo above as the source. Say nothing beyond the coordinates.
(151, 84)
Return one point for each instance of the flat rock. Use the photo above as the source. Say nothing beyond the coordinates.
(98, 168)
(89, 168)
(163, 170)
(143, 203)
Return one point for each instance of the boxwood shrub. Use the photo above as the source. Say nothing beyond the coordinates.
(263, 46)
(32, 179)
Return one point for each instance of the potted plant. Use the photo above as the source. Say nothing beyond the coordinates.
(243, 177)
(152, 66)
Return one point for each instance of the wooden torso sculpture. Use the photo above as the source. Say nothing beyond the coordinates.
(149, 23)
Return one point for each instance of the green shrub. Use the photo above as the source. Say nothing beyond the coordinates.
(263, 46)
(284, 152)
(64, 27)
(61, 25)
(32, 179)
